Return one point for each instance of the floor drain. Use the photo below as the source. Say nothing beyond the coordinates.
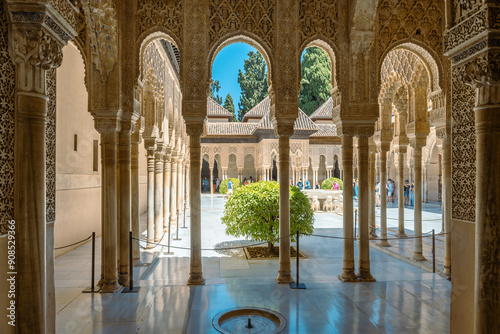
(249, 320)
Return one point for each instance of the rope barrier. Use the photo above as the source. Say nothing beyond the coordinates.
(76, 243)
(204, 249)
(424, 220)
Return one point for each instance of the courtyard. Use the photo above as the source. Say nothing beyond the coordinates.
(404, 299)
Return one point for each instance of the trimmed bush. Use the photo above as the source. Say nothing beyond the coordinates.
(328, 183)
(223, 185)
(252, 212)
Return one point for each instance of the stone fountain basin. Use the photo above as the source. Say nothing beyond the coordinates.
(235, 321)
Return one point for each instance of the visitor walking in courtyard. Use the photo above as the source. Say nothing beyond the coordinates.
(217, 184)
(412, 192)
(291, 183)
(377, 194)
(229, 187)
(335, 185)
(407, 192)
(308, 184)
(317, 185)
(299, 184)
(205, 185)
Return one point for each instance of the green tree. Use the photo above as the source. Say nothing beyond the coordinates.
(252, 212)
(316, 82)
(253, 82)
(214, 90)
(229, 105)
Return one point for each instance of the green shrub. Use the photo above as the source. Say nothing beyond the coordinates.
(223, 185)
(328, 183)
(252, 212)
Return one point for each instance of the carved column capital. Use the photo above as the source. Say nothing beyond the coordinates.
(194, 129)
(283, 130)
(106, 125)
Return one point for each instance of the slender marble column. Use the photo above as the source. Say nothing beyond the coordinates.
(284, 272)
(424, 183)
(364, 243)
(188, 185)
(487, 275)
(180, 186)
(348, 274)
(383, 200)
(135, 212)
(109, 225)
(173, 193)
(30, 209)
(446, 200)
(166, 191)
(151, 199)
(417, 159)
(211, 184)
(125, 148)
(401, 205)
(196, 273)
(158, 196)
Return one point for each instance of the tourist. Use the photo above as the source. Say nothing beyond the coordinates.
(390, 190)
(291, 183)
(299, 184)
(412, 192)
(335, 185)
(407, 192)
(308, 184)
(205, 185)
(355, 189)
(393, 190)
(217, 184)
(377, 194)
(317, 186)
(229, 187)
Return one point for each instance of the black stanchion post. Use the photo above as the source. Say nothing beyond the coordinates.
(92, 283)
(177, 228)
(184, 214)
(433, 252)
(298, 285)
(131, 288)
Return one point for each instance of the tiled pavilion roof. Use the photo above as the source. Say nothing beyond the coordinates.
(325, 130)
(216, 110)
(260, 110)
(324, 111)
(229, 129)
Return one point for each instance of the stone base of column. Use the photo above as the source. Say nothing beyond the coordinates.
(196, 279)
(150, 244)
(284, 277)
(447, 271)
(365, 276)
(417, 256)
(110, 287)
(123, 279)
(383, 243)
(348, 275)
(401, 235)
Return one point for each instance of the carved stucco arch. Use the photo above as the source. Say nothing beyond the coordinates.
(425, 55)
(242, 37)
(150, 36)
(329, 48)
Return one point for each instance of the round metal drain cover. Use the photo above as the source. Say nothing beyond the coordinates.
(249, 320)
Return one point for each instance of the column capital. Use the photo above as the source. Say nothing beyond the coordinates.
(194, 129)
(283, 128)
(106, 122)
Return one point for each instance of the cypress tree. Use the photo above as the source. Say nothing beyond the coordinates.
(316, 82)
(253, 82)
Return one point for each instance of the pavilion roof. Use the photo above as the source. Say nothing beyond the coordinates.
(260, 110)
(216, 110)
(229, 129)
(324, 111)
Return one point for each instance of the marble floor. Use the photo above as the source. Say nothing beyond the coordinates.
(405, 298)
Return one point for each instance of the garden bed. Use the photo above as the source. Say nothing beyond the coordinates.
(256, 253)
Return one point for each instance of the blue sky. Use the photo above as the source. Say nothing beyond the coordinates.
(225, 69)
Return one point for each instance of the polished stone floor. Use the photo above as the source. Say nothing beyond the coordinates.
(405, 299)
